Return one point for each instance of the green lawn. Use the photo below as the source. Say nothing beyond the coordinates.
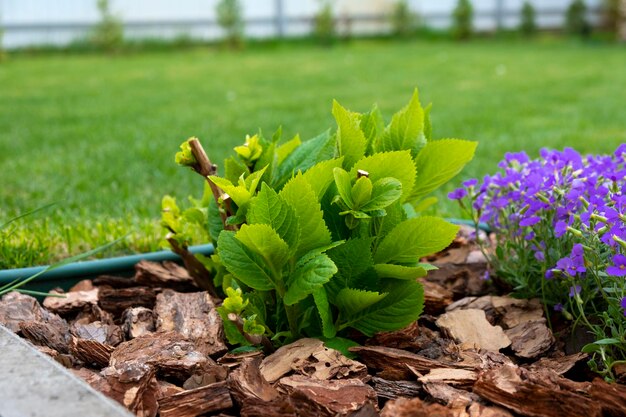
(99, 133)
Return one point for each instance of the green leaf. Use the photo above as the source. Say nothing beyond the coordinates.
(233, 169)
(395, 215)
(406, 130)
(342, 345)
(185, 157)
(354, 260)
(351, 141)
(439, 162)
(320, 176)
(264, 241)
(215, 224)
(320, 148)
(311, 272)
(399, 271)
(350, 301)
(415, 238)
(313, 231)
(398, 164)
(344, 185)
(271, 209)
(428, 127)
(385, 192)
(361, 192)
(240, 195)
(233, 334)
(323, 309)
(396, 310)
(372, 125)
(284, 150)
(244, 264)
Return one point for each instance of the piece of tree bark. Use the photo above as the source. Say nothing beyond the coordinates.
(167, 389)
(461, 280)
(456, 377)
(138, 321)
(391, 390)
(117, 300)
(71, 302)
(530, 339)
(114, 282)
(195, 402)
(233, 360)
(391, 364)
(480, 410)
(279, 407)
(91, 352)
(194, 316)
(472, 328)
(450, 396)
(328, 398)
(169, 352)
(91, 313)
(559, 365)
(210, 374)
(83, 285)
(310, 357)
(134, 386)
(515, 311)
(414, 407)
(16, 308)
(109, 334)
(513, 388)
(247, 382)
(166, 275)
(43, 333)
(611, 397)
(64, 359)
(436, 297)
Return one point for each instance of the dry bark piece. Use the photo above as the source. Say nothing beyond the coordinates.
(167, 389)
(279, 407)
(484, 360)
(611, 397)
(462, 280)
(66, 360)
(138, 321)
(134, 386)
(210, 374)
(84, 285)
(471, 327)
(479, 410)
(513, 388)
(233, 360)
(391, 390)
(457, 377)
(109, 334)
(310, 357)
(414, 407)
(530, 339)
(167, 275)
(246, 382)
(331, 398)
(400, 339)
(16, 308)
(169, 352)
(116, 300)
(450, 396)
(91, 352)
(516, 311)
(114, 282)
(392, 364)
(91, 313)
(43, 333)
(436, 297)
(194, 316)
(195, 402)
(94, 379)
(559, 365)
(71, 302)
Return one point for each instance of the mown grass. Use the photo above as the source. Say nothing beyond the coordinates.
(98, 133)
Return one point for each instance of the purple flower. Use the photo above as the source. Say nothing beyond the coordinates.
(560, 228)
(618, 269)
(558, 307)
(530, 221)
(539, 255)
(457, 194)
(470, 183)
(573, 291)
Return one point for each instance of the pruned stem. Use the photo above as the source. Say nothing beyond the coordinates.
(255, 339)
(196, 269)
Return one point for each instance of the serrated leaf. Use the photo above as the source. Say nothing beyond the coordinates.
(353, 260)
(323, 310)
(396, 310)
(240, 195)
(406, 130)
(233, 169)
(320, 148)
(398, 164)
(313, 231)
(320, 176)
(312, 271)
(420, 205)
(384, 193)
(361, 192)
(350, 301)
(233, 335)
(342, 345)
(399, 271)
(372, 125)
(395, 215)
(344, 185)
(415, 238)
(271, 209)
(215, 224)
(439, 162)
(244, 264)
(351, 141)
(264, 241)
(284, 150)
(428, 127)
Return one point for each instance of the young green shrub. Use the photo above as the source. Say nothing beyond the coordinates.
(462, 18)
(108, 34)
(229, 17)
(324, 29)
(325, 237)
(403, 20)
(528, 24)
(576, 22)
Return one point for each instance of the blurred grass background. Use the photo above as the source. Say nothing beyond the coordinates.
(98, 133)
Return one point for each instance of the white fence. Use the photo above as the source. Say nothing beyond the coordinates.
(58, 22)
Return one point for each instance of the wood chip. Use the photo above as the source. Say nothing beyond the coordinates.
(134, 386)
(114, 282)
(514, 311)
(91, 313)
(16, 308)
(436, 297)
(64, 359)
(84, 285)
(166, 275)
(116, 300)
(247, 382)
(559, 365)
(310, 357)
(48, 334)
(414, 407)
(210, 374)
(71, 302)
(194, 316)
(391, 390)
(461, 280)
(530, 339)
(109, 334)
(279, 407)
(450, 396)
(480, 410)
(137, 322)
(195, 402)
(457, 377)
(91, 352)
(331, 398)
(471, 327)
(167, 389)
(611, 397)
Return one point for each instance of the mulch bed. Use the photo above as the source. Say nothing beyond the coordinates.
(155, 344)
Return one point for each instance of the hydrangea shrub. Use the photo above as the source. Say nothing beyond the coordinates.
(560, 222)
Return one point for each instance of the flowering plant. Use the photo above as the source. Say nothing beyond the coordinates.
(560, 222)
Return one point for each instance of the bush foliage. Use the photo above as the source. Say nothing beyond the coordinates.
(108, 34)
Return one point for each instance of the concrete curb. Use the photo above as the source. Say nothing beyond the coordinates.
(33, 384)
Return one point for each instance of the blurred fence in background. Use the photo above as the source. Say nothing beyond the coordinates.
(59, 22)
